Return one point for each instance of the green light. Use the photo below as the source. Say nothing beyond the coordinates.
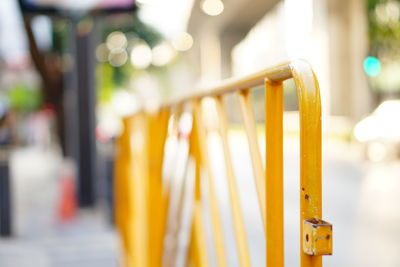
(372, 66)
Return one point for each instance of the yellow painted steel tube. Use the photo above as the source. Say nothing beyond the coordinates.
(310, 151)
(199, 242)
(277, 73)
(237, 217)
(121, 156)
(175, 189)
(310, 155)
(215, 214)
(274, 173)
(140, 188)
(157, 132)
(123, 192)
(177, 222)
(199, 237)
(252, 137)
(178, 186)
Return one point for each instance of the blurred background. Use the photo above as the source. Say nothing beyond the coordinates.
(71, 70)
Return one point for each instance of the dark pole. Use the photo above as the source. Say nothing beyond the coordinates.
(81, 101)
(5, 196)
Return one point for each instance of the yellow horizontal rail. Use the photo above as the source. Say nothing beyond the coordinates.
(277, 73)
(157, 150)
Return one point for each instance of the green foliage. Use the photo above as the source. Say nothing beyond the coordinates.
(383, 35)
(59, 37)
(132, 25)
(110, 78)
(23, 98)
(104, 74)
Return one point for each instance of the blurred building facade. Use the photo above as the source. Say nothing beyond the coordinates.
(250, 35)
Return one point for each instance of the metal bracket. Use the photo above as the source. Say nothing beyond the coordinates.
(317, 237)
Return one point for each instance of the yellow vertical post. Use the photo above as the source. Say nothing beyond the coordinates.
(310, 151)
(237, 217)
(117, 182)
(166, 181)
(215, 215)
(119, 174)
(274, 173)
(140, 189)
(176, 221)
(157, 132)
(177, 186)
(199, 254)
(252, 137)
(122, 204)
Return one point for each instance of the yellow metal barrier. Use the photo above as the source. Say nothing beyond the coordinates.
(159, 196)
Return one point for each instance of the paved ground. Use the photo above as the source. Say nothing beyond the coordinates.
(77, 245)
(40, 239)
(360, 200)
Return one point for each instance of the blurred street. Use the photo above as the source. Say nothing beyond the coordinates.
(85, 244)
(41, 239)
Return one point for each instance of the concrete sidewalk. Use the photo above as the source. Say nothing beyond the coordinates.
(80, 244)
(41, 240)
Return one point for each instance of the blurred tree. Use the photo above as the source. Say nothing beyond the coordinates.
(48, 65)
(131, 24)
(384, 36)
(133, 28)
(23, 98)
(384, 25)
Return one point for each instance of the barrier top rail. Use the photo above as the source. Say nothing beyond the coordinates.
(277, 73)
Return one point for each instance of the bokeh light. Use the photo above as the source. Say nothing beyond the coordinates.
(141, 55)
(388, 12)
(212, 7)
(118, 58)
(102, 52)
(116, 41)
(123, 103)
(183, 42)
(372, 66)
(162, 54)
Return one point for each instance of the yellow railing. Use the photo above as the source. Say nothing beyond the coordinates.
(159, 191)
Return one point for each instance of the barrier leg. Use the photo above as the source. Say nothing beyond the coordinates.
(274, 173)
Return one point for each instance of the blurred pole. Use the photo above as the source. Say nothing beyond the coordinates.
(86, 105)
(5, 196)
(80, 109)
(105, 170)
